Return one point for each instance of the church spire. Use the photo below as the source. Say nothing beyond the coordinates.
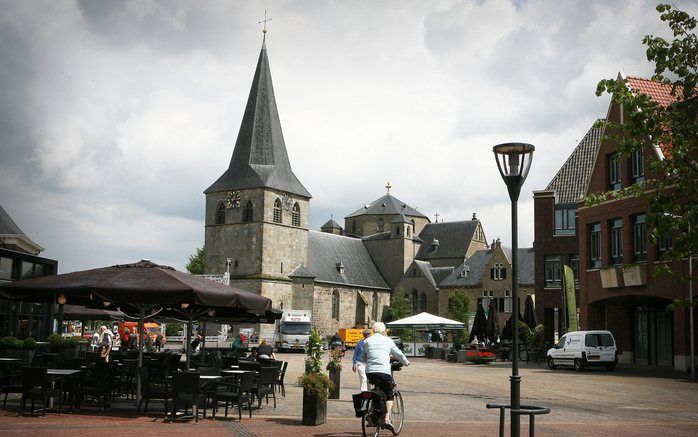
(260, 159)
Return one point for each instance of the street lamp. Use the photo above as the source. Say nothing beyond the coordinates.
(514, 162)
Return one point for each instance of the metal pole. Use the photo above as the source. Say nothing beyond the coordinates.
(188, 341)
(515, 378)
(60, 319)
(141, 315)
(690, 311)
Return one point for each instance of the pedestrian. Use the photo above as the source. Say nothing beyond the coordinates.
(265, 351)
(359, 365)
(126, 339)
(106, 342)
(196, 343)
(159, 341)
(237, 345)
(94, 343)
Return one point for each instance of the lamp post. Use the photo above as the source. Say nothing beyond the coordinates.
(514, 162)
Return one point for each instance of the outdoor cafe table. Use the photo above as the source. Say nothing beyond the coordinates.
(10, 360)
(59, 374)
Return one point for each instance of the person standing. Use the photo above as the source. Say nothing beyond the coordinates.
(378, 349)
(359, 365)
(106, 341)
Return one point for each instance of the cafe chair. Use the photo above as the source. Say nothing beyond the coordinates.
(236, 390)
(36, 385)
(185, 392)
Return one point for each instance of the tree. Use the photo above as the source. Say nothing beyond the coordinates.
(459, 308)
(399, 308)
(195, 266)
(671, 185)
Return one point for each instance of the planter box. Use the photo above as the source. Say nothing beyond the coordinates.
(429, 352)
(314, 410)
(461, 356)
(635, 275)
(611, 277)
(452, 357)
(335, 377)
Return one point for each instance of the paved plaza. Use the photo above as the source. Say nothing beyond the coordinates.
(440, 399)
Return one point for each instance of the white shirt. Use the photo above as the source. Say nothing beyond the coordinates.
(377, 351)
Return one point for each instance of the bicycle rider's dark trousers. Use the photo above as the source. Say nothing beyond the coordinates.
(383, 382)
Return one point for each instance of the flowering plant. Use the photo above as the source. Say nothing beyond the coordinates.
(480, 357)
(335, 355)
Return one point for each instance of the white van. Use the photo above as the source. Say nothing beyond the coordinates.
(581, 349)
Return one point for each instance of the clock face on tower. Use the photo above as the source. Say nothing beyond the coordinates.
(233, 199)
(287, 200)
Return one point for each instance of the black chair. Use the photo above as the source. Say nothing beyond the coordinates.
(36, 385)
(280, 379)
(10, 380)
(185, 391)
(99, 385)
(249, 365)
(232, 389)
(150, 390)
(266, 385)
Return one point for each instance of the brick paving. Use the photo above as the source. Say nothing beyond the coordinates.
(440, 399)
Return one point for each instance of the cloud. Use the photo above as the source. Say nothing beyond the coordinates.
(115, 116)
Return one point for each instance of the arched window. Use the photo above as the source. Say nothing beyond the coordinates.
(381, 224)
(415, 301)
(408, 230)
(277, 210)
(423, 302)
(220, 214)
(374, 306)
(296, 215)
(247, 212)
(335, 304)
(397, 231)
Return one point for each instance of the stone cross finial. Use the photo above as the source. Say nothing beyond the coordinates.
(436, 217)
(388, 187)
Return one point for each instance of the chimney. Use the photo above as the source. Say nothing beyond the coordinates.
(340, 267)
(474, 216)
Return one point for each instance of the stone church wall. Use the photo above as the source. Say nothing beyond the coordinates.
(348, 301)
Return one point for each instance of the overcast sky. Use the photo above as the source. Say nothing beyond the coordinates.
(115, 116)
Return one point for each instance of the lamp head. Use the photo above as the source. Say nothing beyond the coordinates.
(184, 305)
(61, 299)
(513, 162)
(106, 303)
(211, 313)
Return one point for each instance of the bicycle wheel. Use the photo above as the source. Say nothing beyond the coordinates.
(368, 425)
(397, 413)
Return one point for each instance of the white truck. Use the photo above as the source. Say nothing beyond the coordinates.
(293, 330)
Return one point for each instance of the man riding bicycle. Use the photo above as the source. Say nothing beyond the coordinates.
(378, 349)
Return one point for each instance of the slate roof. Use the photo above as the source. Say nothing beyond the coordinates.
(476, 263)
(454, 239)
(7, 225)
(387, 205)
(326, 250)
(425, 268)
(260, 159)
(571, 181)
(479, 260)
(331, 224)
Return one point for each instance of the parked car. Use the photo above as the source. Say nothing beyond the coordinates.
(581, 349)
(398, 342)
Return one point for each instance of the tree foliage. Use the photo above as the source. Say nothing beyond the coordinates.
(459, 309)
(195, 266)
(670, 186)
(399, 308)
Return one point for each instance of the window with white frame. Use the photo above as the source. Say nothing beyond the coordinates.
(565, 220)
(553, 271)
(487, 295)
(507, 301)
(498, 272)
(637, 166)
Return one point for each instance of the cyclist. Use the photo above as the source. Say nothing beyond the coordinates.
(377, 351)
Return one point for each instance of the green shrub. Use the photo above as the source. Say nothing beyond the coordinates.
(10, 343)
(29, 344)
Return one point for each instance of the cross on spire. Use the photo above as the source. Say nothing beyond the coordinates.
(264, 30)
(436, 217)
(388, 187)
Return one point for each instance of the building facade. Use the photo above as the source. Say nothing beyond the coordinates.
(19, 259)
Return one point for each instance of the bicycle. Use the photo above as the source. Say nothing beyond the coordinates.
(371, 408)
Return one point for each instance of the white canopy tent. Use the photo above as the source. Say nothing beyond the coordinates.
(424, 322)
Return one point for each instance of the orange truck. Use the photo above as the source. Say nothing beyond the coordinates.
(351, 337)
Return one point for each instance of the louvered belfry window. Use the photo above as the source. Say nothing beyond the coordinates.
(220, 214)
(277, 211)
(296, 215)
(247, 212)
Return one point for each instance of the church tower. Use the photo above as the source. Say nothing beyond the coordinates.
(257, 211)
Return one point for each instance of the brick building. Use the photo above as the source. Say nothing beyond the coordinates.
(555, 232)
